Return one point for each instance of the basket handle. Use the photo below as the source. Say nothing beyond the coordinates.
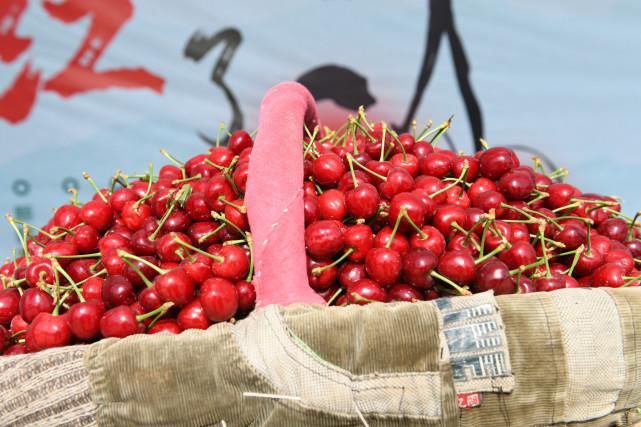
(274, 197)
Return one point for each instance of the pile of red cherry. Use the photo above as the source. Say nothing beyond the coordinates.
(388, 218)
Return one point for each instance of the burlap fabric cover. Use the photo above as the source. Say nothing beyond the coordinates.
(574, 358)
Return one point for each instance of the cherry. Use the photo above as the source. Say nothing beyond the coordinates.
(92, 289)
(398, 180)
(412, 207)
(496, 161)
(458, 164)
(311, 209)
(479, 187)
(117, 290)
(165, 325)
(33, 302)
(120, 197)
(402, 292)
(365, 291)
(323, 239)
(238, 141)
(463, 242)
(418, 263)
(610, 275)
(435, 164)
(621, 257)
(327, 169)
(218, 188)
(16, 349)
(61, 249)
(409, 162)
(9, 305)
(634, 246)
(175, 286)
(48, 331)
(86, 239)
(445, 216)
(614, 228)
(221, 156)
(178, 220)
(494, 275)
(81, 269)
(362, 201)
(490, 200)
(234, 265)
(67, 216)
(548, 284)
(422, 149)
(119, 322)
(168, 248)
(170, 172)
(239, 176)
(97, 214)
(516, 185)
(39, 271)
(350, 273)
(458, 197)
(321, 274)
(350, 182)
(84, 319)
(360, 238)
(383, 265)
(237, 215)
(204, 234)
(519, 254)
(113, 241)
(457, 266)
(246, 296)
(5, 339)
(192, 316)
(18, 324)
(332, 205)
(432, 185)
(431, 240)
(560, 195)
(219, 299)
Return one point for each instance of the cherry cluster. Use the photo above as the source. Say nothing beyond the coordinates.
(388, 217)
(396, 218)
(152, 253)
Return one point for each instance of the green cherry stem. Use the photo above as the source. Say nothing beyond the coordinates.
(200, 251)
(146, 281)
(336, 294)
(366, 169)
(489, 255)
(316, 271)
(442, 278)
(73, 284)
(171, 158)
(23, 243)
(250, 245)
(575, 260)
(91, 182)
(126, 255)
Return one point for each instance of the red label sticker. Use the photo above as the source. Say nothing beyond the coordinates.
(469, 400)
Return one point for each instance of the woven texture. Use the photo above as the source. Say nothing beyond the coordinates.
(46, 389)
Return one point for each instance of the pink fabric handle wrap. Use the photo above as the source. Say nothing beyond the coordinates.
(274, 197)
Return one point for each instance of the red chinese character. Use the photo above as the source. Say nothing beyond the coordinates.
(17, 101)
(11, 45)
(79, 76)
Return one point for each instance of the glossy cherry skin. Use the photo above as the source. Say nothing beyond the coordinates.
(320, 281)
(519, 254)
(516, 185)
(117, 290)
(588, 262)
(560, 195)
(494, 275)
(323, 239)
(445, 216)
(621, 257)
(192, 316)
(86, 239)
(435, 164)
(165, 325)
(496, 161)
(119, 322)
(365, 291)
(418, 263)
(350, 273)
(402, 292)
(33, 302)
(327, 169)
(48, 331)
(360, 238)
(235, 264)
(92, 289)
(398, 181)
(332, 205)
(84, 319)
(383, 265)
(457, 266)
(548, 284)
(175, 286)
(219, 299)
(246, 296)
(97, 214)
(399, 243)
(614, 228)
(610, 275)
(433, 240)
(9, 305)
(411, 205)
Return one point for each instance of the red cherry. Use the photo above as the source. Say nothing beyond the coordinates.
(610, 275)
(496, 161)
(398, 181)
(401, 292)
(433, 240)
(119, 322)
(323, 239)
(168, 248)
(9, 305)
(235, 264)
(18, 324)
(422, 149)
(435, 164)
(432, 185)
(67, 216)
(332, 205)
(418, 263)
(219, 299)
(121, 196)
(40, 270)
(327, 169)
(411, 205)
(548, 284)
(48, 331)
(360, 238)
(445, 216)
(560, 195)
(494, 275)
(323, 280)
(490, 200)
(33, 302)
(399, 243)
(621, 257)
(218, 188)
(165, 325)
(350, 273)
(192, 316)
(479, 187)
(84, 319)
(429, 205)
(516, 185)
(237, 216)
(97, 214)
(175, 286)
(383, 265)
(458, 163)
(113, 241)
(86, 239)
(614, 228)
(239, 176)
(246, 296)
(204, 234)
(520, 253)
(363, 201)
(458, 197)
(409, 162)
(634, 246)
(238, 141)
(117, 290)
(221, 156)
(365, 291)
(16, 349)
(61, 249)
(457, 266)
(81, 269)
(311, 209)
(463, 242)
